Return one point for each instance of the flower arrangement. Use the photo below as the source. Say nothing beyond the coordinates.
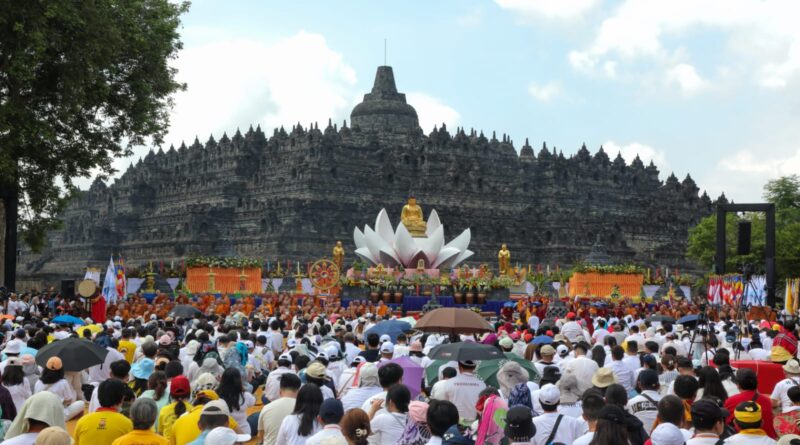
(223, 262)
(610, 269)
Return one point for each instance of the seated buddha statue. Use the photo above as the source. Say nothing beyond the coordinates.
(412, 218)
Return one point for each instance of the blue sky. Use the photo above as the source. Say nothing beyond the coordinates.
(702, 87)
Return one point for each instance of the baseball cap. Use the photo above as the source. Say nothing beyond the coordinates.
(562, 350)
(706, 410)
(286, 356)
(506, 342)
(331, 411)
(179, 386)
(549, 394)
(385, 337)
(547, 350)
(358, 359)
(667, 434)
(387, 348)
(316, 370)
(226, 436)
(648, 378)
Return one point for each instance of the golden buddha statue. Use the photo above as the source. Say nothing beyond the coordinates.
(503, 259)
(338, 255)
(412, 218)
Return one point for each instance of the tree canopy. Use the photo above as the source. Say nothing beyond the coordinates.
(785, 194)
(81, 82)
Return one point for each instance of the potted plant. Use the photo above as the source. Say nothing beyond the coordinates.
(358, 267)
(374, 295)
(387, 293)
(470, 296)
(458, 294)
(483, 289)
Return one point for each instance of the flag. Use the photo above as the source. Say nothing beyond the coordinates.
(110, 283)
(122, 282)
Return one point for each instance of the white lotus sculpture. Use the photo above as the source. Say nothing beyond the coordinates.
(391, 247)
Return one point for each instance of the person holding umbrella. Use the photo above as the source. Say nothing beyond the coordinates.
(53, 380)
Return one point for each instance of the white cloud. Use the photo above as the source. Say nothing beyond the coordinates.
(761, 35)
(742, 175)
(544, 93)
(559, 9)
(686, 77)
(645, 152)
(432, 112)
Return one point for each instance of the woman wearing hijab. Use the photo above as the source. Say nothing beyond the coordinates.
(368, 386)
(416, 431)
(40, 411)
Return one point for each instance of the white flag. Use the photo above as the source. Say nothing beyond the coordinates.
(110, 283)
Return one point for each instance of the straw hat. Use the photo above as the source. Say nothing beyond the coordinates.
(603, 378)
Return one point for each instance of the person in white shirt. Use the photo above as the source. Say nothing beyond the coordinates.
(15, 382)
(591, 402)
(552, 427)
(298, 427)
(53, 380)
(631, 359)
(621, 371)
(387, 352)
(600, 333)
(388, 425)
(780, 396)
(350, 349)
(748, 417)
(571, 328)
(271, 416)
(464, 390)
(272, 388)
(645, 405)
(330, 414)
(388, 375)
(708, 421)
(347, 379)
(368, 386)
(758, 352)
(582, 367)
(401, 348)
(275, 337)
(100, 373)
(437, 391)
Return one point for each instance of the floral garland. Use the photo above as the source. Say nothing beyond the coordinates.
(609, 269)
(222, 262)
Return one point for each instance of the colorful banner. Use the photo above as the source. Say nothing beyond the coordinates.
(792, 295)
(725, 289)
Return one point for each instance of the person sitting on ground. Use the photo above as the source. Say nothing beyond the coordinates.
(788, 422)
(748, 418)
(592, 402)
(645, 405)
(214, 414)
(186, 429)
(269, 420)
(143, 414)
(387, 424)
(519, 426)
(355, 427)
(118, 371)
(442, 414)
(389, 375)
(106, 424)
(53, 380)
(179, 391)
(302, 423)
(551, 426)
(708, 421)
(41, 410)
(747, 381)
(371, 353)
(330, 414)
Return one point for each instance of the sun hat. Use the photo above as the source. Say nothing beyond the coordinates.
(226, 436)
(179, 387)
(316, 370)
(14, 346)
(547, 350)
(603, 378)
(54, 364)
(568, 385)
(551, 374)
(792, 367)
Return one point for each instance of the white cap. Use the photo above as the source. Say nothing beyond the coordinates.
(562, 350)
(550, 395)
(385, 338)
(331, 350)
(387, 348)
(322, 354)
(667, 434)
(225, 436)
(286, 356)
(291, 342)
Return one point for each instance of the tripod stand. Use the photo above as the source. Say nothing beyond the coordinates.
(702, 320)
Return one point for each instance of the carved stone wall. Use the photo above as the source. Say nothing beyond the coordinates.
(292, 195)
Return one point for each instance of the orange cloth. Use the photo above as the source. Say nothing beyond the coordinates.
(227, 281)
(602, 284)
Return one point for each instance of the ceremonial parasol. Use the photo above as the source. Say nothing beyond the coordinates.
(487, 369)
(392, 328)
(465, 351)
(412, 373)
(185, 311)
(68, 319)
(450, 320)
(75, 354)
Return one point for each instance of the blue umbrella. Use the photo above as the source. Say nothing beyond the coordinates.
(686, 319)
(509, 304)
(542, 339)
(68, 319)
(392, 328)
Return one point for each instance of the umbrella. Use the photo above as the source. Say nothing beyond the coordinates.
(450, 320)
(542, 340)
(93, 328)
(464, 351)
(185, 311)
(410, 320)
(68, 319)
(487, 369)
(75, 354)
(688, 320)
(412, 374)
(661, 318)
(392, 328)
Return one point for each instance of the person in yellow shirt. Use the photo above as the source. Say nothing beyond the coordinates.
(143, 416)
(106, 424)
(126, 346)
(179, 391)
(186, 428)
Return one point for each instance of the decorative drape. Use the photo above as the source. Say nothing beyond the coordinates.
(593, 284)
(226, 281)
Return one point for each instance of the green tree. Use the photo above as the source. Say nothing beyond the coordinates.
(81, 82)
(785, 194)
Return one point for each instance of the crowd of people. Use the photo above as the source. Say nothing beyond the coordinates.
(314, 375)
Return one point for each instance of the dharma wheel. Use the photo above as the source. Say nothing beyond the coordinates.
(324, 274)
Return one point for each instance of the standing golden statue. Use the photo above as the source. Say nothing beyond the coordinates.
(412, 218)
(503, 260)
(338, 255)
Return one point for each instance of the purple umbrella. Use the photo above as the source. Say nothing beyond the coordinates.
(412, 374)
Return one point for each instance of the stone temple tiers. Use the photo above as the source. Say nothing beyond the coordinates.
(293, 194)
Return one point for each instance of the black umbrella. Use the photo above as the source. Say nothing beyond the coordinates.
(75, 354)
(465, 351)
(185, 311)
(661, 318)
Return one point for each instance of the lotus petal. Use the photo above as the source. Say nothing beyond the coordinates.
(463, 256)
(383, 226)
(404, 244)
(433, 222)
(432, 244)
(365, 255)
(377, 245)
(389, 258)
(445, 257)
(358, 238)
(461, 242)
